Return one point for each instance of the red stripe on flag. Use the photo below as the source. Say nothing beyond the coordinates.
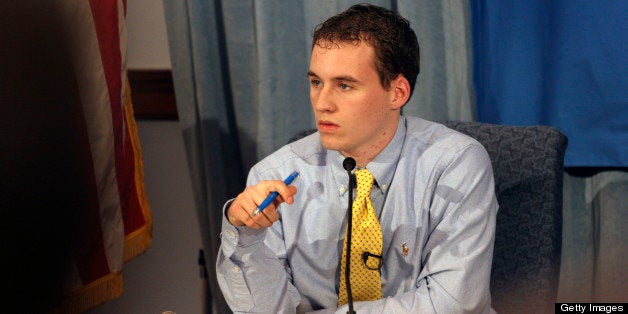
(105, 15)
(107, 29)
(133, 215)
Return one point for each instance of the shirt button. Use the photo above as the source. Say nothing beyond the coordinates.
(342, 189)
(232, 233)
(236, 269)
(384, 187)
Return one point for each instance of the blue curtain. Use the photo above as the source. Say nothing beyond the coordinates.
(559, 63)
(239, 70)
(564, 63)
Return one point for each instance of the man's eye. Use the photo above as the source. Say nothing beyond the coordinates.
(344, 86)
(315, 83)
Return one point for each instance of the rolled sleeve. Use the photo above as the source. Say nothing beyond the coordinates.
(250, 279)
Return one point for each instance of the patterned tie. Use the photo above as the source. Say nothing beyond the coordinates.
(366, 239)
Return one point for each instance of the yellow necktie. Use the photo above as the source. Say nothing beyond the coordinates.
(366, 246)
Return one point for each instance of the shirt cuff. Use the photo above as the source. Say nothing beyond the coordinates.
(241, 236)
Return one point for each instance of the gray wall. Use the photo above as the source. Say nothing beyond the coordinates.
(166, 277)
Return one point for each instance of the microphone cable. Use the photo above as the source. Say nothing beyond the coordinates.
(349, 165)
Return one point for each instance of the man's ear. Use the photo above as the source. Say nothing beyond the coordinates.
(400, 88)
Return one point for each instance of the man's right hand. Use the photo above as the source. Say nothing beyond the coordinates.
(240, 213)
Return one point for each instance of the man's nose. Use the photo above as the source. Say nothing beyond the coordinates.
(324, 100)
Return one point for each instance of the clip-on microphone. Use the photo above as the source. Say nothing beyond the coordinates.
(349, 164)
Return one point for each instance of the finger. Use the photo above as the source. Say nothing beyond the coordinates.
(269, 216)
(249, 217)
(256, 223)
(271, 191)
(241, 209)
(266, 219)
(262, 220)
(286, 194)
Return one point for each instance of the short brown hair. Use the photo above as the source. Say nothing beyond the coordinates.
(395, 43)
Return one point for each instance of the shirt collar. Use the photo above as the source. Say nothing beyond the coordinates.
(382, 166)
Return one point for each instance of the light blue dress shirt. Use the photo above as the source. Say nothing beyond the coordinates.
(435, 199)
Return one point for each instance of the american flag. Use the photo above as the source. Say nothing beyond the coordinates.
(73, 208)
(116, 226)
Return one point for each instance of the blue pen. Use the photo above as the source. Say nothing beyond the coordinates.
(273, 195)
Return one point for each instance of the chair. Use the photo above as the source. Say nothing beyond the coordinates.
(528, 168)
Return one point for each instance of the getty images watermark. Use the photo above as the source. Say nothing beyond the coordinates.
(589, 307)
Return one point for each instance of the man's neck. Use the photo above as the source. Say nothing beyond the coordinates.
(362, 158)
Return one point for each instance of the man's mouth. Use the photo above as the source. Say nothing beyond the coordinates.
(325, 125)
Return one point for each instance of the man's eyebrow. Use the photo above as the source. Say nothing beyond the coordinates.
(345, 78)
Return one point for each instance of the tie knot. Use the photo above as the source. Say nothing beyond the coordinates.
(365, 181)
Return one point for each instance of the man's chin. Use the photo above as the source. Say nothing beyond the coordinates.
(331, 143)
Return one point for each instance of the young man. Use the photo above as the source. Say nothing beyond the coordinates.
(433, 192)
